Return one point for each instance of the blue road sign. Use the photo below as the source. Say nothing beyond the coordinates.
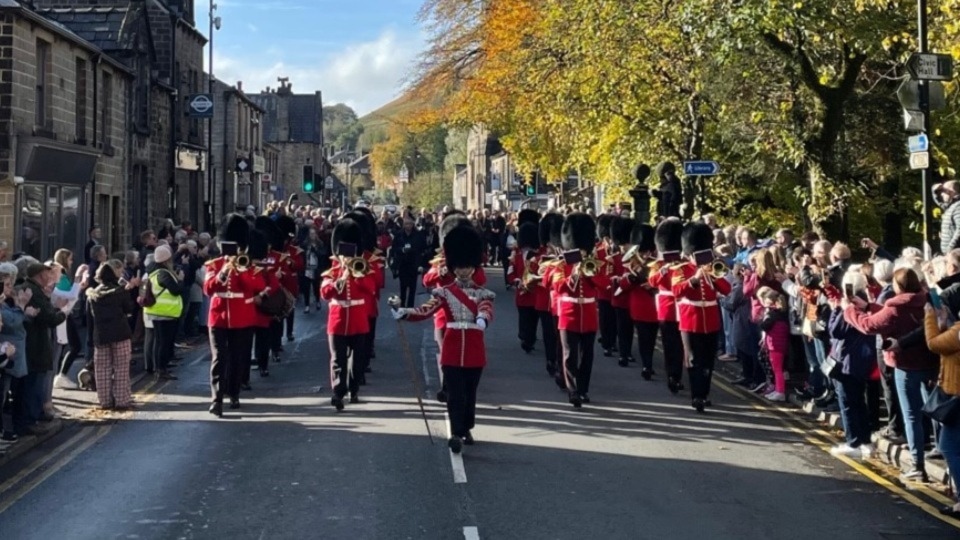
(701, 168)
(919, 143)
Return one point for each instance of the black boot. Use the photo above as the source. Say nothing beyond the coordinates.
(455, 444)
(699, 404)
(354, 398)
(442, 396)
(575, 400)
(673, 385)
(264, 372)
(216, 409)
(337, 402)
(468, 439)
(623, 362)
(647, 374)
(584, 398)
(234, 403)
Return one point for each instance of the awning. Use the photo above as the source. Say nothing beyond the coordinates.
(45, 160)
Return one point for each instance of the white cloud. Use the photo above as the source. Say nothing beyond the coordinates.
(363, 75)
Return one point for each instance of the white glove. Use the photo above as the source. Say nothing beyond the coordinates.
(482, 323)
(397, 314)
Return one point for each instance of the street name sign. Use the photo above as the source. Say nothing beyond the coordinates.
(200, 106)
(920, 160)
(328, 182)
(701, 168)
(930, 67)
(918, 143)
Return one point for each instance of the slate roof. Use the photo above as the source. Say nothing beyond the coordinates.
(101, 26)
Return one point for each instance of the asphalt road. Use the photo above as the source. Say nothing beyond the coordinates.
(636, 463)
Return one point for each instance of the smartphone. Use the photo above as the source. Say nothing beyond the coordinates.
(229, 249)
(848, 290)
(123, 282)
(572, 257)
(934, 298)
(703, 258)
(347, 250)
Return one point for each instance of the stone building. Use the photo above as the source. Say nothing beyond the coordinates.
(63, 144)
(481, 146)
(293, 123)
(157, 40)
(238, 157)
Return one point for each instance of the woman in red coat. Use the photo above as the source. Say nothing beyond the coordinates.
(468, 309)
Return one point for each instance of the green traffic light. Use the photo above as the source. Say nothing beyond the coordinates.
(530, 190)
(308, 187)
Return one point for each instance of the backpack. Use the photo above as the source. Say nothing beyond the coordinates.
(146, 297)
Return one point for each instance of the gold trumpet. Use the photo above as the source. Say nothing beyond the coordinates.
(589, 266)
(357, 266)
(717, 269)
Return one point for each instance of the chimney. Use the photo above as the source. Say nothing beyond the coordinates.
(240, 86)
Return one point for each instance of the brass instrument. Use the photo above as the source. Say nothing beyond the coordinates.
(241, 261)
(717, 269)
(589, 266)
(357, 266)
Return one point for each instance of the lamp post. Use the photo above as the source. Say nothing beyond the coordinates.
(211, 205)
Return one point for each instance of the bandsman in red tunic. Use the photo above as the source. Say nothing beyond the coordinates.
(548, 259)
(469, 309)
(269, 331)
(642, 296)
(369, 252)
(292, 262)
(234, 285)
(522, 274)
(667, 239)
(697, 292)
(620, 230)
(607, 316)
(346, 286)
(575, 284)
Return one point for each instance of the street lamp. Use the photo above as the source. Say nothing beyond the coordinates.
(211, 206)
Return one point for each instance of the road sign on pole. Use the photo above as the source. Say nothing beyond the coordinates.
(918, 143)
(200, 106)
(920, 160)
(328, 182)
(701, 168)
(930, 67)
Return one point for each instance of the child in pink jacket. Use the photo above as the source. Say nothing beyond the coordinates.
(776, 338)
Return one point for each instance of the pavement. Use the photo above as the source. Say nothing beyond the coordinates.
(636, 463)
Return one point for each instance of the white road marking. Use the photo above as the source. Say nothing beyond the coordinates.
(471, 533)
(456, 460)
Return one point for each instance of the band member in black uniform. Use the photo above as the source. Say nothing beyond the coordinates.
(550, 228)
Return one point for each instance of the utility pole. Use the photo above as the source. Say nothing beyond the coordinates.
(211, 206)
(922, 43)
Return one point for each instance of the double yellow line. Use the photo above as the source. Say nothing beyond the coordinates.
(62, 455)
(816, 436)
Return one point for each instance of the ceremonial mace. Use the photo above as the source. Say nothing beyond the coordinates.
(413, 376)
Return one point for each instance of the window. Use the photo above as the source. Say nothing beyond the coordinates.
(43, 73)
(80, 109)
(106, 113)
(142, 96)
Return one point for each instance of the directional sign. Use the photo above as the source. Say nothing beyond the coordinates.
(913, 120)
(200, 106)
(918, 143)
(909, 95)
(243, 164)
(920, 160)
(701, 168)
(328, 183)
(930, 67)
(266, 178)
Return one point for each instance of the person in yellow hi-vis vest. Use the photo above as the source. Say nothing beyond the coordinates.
(167, 287)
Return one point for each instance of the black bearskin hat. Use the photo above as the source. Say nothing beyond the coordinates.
(271, 232)
(450, 223)
(528, 236)
(550, 228)
(603, 225)
(463, 248)
(234, 228)
(368, 229)
(288, 227)
(642, 237)
(258, 248)
(668, 235)
(579, 232)
(528, 215)
(347, 231)
(620, 230)
(697, 237)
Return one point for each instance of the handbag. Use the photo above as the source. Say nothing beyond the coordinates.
(942, 407)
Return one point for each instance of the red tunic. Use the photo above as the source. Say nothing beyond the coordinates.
(541, 262)
(699, 310)
(642, 298)
(379, 280)
(271, 268)
(433, 280)
(576, 298)
(521, 273)
(231, 304)
(348, 306)
(617, 274)
(462, 344)
(600, 252)
(292, 262)
(666, 304)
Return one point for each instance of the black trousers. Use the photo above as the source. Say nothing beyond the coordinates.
(701, 355)
(343, 367)
(752, 370)
(577, 360)
(646, 341)
(164, 335)
(229, 354)
(548, 327)
(890, 398)
(371, 341)
(310, 289)
(672, 349)
(74, 346)
(408, 287)
(624, 332)
(276, 335)
(263, 339)
(527, 329)
(289, 321)
(608, 325)
(461, 383)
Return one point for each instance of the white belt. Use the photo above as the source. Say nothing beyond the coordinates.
(229, 295)
(463, 326)
(346, 303)
(697, 303)
(572, 300)
(662, 292)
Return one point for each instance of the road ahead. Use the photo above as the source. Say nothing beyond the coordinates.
(637, 463)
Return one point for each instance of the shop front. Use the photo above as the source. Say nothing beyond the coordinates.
(53, 197)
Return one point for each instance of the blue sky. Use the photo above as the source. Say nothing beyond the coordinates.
(357, 52)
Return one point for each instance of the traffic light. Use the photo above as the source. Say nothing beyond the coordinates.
(309, 183)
